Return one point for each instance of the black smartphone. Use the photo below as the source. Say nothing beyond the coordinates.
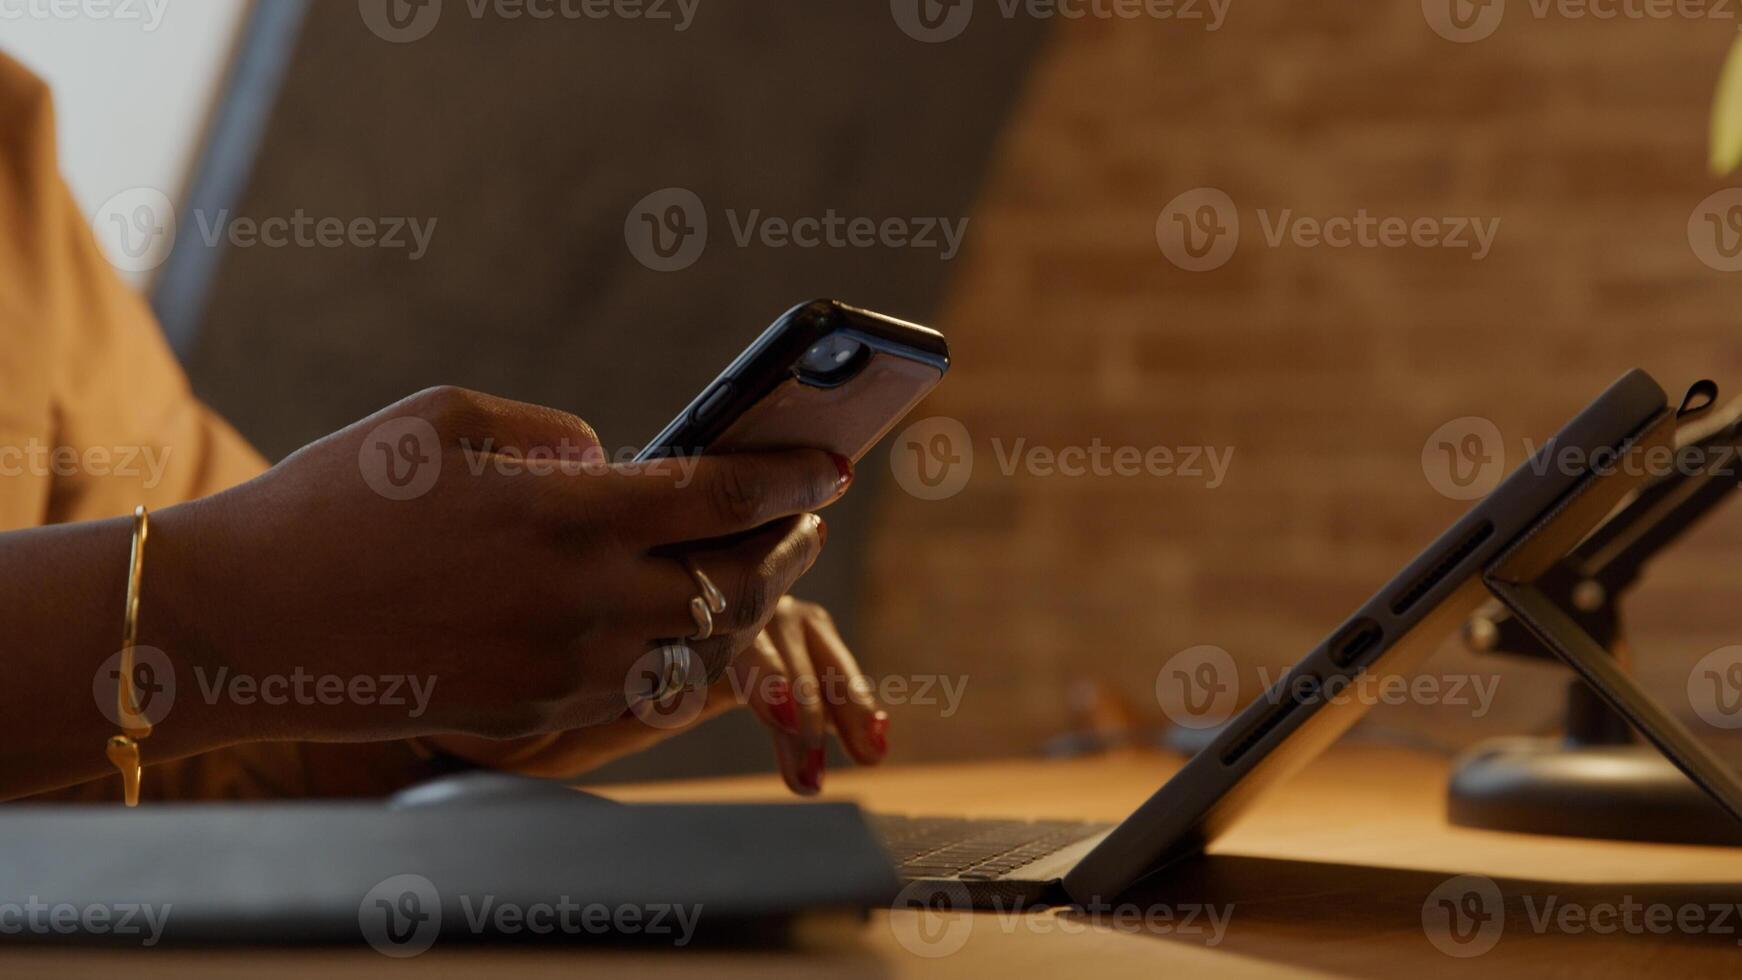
(825, 375)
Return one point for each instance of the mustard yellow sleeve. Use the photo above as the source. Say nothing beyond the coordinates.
(96, 417)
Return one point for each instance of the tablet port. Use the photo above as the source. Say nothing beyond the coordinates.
(1447, 564)
(1356, 644)
(1295, 692)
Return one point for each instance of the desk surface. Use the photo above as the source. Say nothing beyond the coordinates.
(1341, 872)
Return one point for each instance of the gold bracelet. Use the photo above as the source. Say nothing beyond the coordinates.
(123, 749)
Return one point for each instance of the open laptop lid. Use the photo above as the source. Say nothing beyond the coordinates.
(1403, 623)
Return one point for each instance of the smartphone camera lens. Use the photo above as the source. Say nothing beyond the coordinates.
(832, 360)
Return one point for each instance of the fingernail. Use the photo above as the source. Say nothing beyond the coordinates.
(822, 529)
(780, 703)
(877, 732)
(844, 467)
(810, 775)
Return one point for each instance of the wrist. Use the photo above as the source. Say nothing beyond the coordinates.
(183, 612)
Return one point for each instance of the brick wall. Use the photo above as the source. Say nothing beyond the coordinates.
(1324, 369)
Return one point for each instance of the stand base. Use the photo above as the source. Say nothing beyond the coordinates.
(1617, 792)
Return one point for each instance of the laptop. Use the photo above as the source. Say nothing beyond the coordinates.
(1534, 516)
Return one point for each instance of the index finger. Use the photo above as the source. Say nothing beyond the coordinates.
(695, 498)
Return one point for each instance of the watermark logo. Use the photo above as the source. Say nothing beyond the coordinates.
(1198, 687)
(1463, 21)
(1465, 458)
(932, 21)
(1715, 230)
(667, 230)
(401, 459)
(1199, 230)
(136, 229)
(400, 21)
(667, 687)
(932, 459)
(1464, 916)
(932, 919)
(401, 916)
(153, 686)
(1715, 688)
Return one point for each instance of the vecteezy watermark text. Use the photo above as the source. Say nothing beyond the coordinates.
(34, 917)
(1465, 458)
(1466, 916)
(300, 687)
(154, 688)
(404, 21)
(402, 459)
(38, 459)
(934, 919)
(1199, 687)
(681, 699)
(302, 230)
(401, 916)
(147, 13)
(137, 228)
(667, 230)
(1468, 21)
(1199, 230)
(933, 459)
(935, 21)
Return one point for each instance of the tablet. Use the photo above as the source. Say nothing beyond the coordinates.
(1390, 634)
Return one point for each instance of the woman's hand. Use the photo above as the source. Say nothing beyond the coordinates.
(481, 548)
(803, 682)
(798, 677)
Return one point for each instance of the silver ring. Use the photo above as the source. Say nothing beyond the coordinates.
(704, 619)
(674, 672)
(715, 599)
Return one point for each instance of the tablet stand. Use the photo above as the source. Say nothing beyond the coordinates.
(1598, 779)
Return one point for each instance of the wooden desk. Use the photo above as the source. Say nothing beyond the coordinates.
(1329, 877)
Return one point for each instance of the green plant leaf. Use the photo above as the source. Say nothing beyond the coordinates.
(1727, 115)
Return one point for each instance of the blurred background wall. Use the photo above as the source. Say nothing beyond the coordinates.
(1328, 373)
(134, 90)
(1324, 369)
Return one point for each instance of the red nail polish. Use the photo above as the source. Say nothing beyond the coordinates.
(877, 732)
(844, 467)
(811, 773)
(822, 530)
(780, 704)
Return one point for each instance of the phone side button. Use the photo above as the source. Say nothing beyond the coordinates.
(711, 402)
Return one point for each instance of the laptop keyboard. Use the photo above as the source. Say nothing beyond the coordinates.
(975, 850)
